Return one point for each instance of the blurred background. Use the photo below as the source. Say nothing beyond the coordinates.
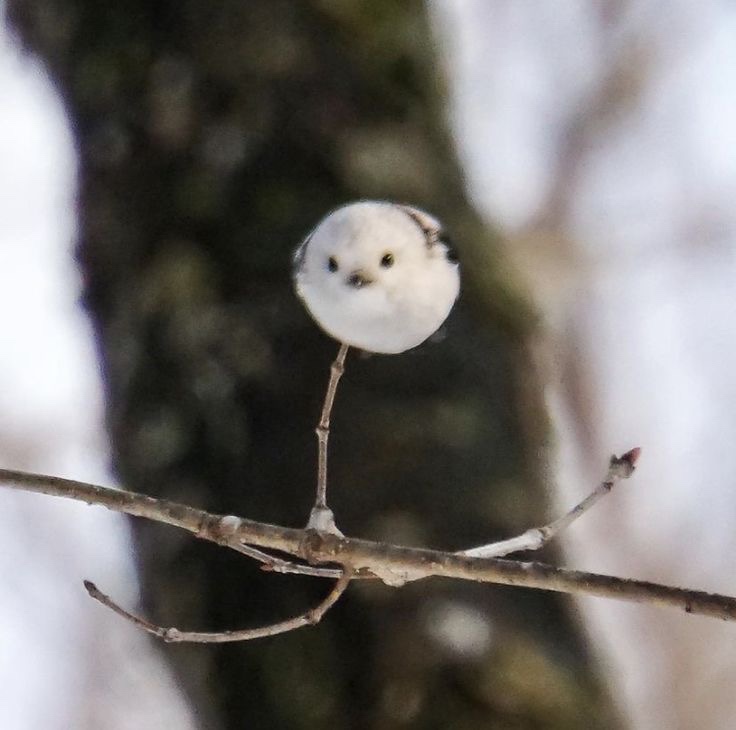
(159, 161)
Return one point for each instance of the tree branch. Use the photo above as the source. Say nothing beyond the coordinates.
(619, 467)
(370, 557)
(171, 634)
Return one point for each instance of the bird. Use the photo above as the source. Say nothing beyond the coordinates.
(378, 276)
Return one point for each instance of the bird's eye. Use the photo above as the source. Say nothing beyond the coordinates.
(332, 264)
(387, 260)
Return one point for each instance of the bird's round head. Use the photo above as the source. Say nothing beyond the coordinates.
(377, 275)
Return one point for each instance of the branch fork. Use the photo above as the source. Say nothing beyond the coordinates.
(344, 559)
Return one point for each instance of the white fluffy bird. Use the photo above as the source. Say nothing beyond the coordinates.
(377, 275)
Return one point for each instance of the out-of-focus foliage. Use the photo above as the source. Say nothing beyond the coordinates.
(211, 138)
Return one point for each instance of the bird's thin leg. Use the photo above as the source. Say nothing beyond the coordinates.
(321, 517)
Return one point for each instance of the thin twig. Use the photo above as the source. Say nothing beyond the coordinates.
(171, 634)
(619, 467)
(273, 564)
(378, 558)
(323, 427)
(321, 517)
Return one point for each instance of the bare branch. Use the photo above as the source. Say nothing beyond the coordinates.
(378, 558)
(620, 467)
(321, 517)
(173, 635)
(272, 564)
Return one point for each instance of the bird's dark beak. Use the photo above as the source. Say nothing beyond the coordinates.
(358, 279)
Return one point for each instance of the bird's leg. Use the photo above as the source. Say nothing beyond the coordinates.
(321, 517)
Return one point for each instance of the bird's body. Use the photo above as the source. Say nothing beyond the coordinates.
(377, 276)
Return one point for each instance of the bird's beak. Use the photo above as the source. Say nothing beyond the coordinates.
(358, 279)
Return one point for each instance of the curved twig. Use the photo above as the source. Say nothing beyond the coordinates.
(173, 635)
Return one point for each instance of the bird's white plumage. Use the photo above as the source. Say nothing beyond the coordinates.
(375, 275)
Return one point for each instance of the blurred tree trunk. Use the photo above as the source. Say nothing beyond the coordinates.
(211, 138)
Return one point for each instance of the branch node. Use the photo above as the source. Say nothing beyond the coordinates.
(313, 544)
(311, 617)
(220, 530)
(171, 634)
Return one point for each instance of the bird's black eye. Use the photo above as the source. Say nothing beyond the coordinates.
(332, 264)
(387, 261)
